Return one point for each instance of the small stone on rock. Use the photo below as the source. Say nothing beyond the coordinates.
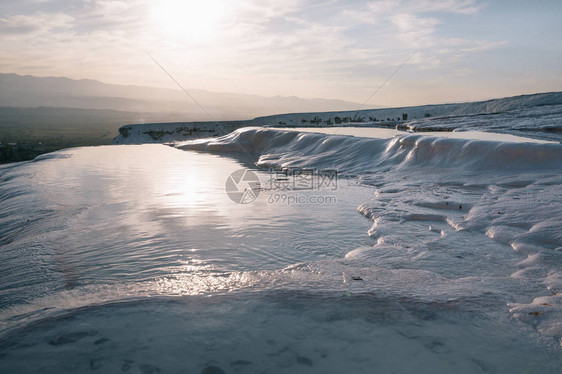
(304, 361)
(149, 369)
(212, 370)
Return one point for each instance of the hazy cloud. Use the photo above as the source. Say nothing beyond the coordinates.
(333, 48)
(26, 24)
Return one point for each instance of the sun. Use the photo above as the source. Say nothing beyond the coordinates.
(187, 19)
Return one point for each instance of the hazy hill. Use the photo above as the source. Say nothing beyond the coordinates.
(415, 118)
(29, 91)
(39, 115)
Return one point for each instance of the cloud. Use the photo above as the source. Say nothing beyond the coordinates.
(18, 25)
(27, 24)
(413, 30)
(400, 26)
(262, 11)
(386, 7)
(260, 46)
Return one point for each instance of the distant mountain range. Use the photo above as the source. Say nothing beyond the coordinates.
(31, 92)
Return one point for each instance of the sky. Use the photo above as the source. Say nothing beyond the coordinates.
(455, 50)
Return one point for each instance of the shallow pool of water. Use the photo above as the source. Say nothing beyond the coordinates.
(135, 258)
(385, 133)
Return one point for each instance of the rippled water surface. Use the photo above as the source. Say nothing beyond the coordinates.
(126, 214)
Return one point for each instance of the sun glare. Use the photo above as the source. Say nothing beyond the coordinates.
(192, 20)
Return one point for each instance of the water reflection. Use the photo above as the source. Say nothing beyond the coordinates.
(138, 213)
(385, 133)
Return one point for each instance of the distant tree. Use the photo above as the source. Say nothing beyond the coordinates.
(304, 120)
(338, 120)
(404, 116)
(427, 115)
(316, 120)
